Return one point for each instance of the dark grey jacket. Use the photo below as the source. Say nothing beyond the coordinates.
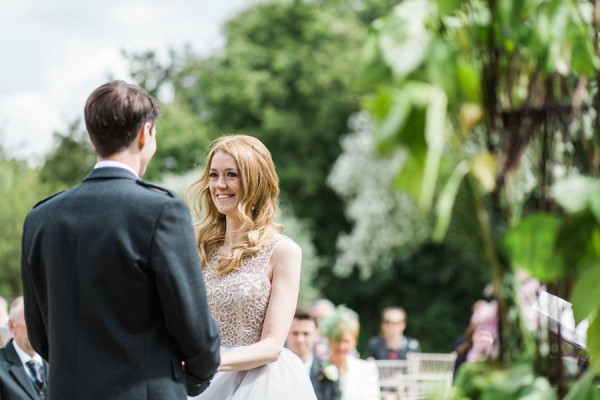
(324, 388)
(15, 384)
(114, 294)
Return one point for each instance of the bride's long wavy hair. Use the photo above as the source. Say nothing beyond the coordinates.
(256, 207)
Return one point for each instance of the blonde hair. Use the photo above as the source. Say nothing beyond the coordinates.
(343, 321)
(256, 207)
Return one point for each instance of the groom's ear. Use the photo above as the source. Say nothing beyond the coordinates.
(141, 136)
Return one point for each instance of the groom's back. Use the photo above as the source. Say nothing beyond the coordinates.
(114, 296)
(90, 249)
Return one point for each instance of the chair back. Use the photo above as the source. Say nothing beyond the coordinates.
(390, 373)
(429, 376)
(431, 362)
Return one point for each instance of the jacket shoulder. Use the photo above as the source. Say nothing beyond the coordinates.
(48, 198)
(156, 188)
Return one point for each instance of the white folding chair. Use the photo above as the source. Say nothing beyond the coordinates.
(424, 386)
(431, 362)
(390, 373)
(429, 376)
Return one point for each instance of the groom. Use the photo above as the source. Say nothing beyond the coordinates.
(114, 295)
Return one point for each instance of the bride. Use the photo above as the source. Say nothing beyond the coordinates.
(251, 272)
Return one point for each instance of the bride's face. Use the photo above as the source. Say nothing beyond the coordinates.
(225, 184)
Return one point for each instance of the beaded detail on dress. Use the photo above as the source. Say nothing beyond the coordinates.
(239, 300)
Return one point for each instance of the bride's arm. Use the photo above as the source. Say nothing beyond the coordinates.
(286, 263)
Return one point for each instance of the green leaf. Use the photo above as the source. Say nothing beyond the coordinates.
(578, 240)
(379, 104)
(584, 60)
(593, 338)
(484, 169)
(411, 175)
(531, 246)
(448, 6)
(371, 68)
(435, 134)
(507, 383)
(574, 192)
(583, 299)
(469, 80)
(389, 132)
(415, 123)
(445, 202)
(595, 206)
(505, 14)
(440, 68)
(404, 39)
(540, 389)
(584, 388)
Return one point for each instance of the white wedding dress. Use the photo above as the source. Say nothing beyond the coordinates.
(239, 301)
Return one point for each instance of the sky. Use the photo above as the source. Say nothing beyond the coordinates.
(55, 53)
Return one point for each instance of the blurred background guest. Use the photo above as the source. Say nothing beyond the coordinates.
(321, 310)
(5, 334)
(359, 379)
(301, 340)
(22, 370)
(392, 344)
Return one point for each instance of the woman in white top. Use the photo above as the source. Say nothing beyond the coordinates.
(359, 379)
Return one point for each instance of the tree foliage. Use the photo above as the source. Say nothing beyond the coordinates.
(21, 189)
(70, 160)
(522, 77)
(284, 76)
(388, 251)
(181, 141)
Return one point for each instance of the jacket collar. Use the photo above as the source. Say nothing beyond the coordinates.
(110, 173)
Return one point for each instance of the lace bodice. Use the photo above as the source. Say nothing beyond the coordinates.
(239, 300)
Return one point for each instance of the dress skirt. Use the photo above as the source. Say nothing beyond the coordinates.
(286, 378)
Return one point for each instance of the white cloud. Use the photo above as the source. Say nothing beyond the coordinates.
(55, 53)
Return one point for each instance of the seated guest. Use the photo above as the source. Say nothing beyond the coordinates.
(5, 335)
(392, 344)
(304, 333)
(359, 379)
(22, 370)
(322, 309)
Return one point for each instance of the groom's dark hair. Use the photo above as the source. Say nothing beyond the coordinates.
(114, 114)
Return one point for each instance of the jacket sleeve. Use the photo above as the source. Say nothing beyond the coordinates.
(36, 327)
(175, 261)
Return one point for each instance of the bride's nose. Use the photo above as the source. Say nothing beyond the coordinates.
(221, 182)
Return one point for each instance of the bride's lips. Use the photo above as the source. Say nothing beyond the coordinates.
(224, 197)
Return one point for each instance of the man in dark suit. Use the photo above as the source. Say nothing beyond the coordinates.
(22, 370)
(114, 294)
(301, 340)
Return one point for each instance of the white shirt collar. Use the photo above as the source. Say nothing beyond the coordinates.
(115, 164)
(308, 363)
(26, 357)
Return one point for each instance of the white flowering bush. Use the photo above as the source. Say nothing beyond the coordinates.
(385, 220)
